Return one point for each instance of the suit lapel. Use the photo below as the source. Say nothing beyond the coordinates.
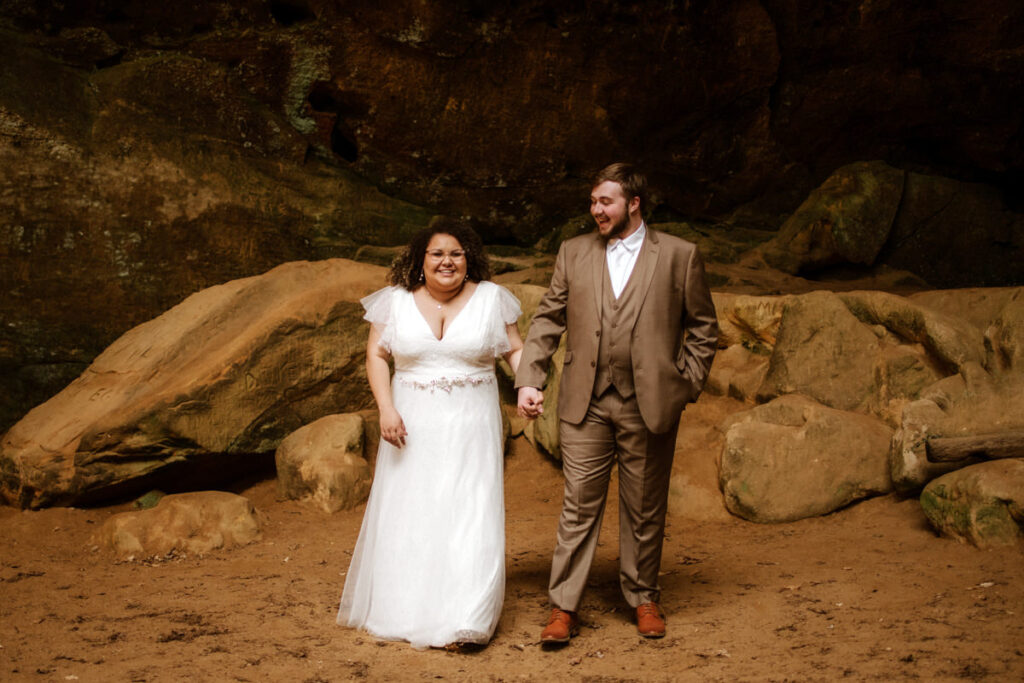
(643, 271)
(597, 261)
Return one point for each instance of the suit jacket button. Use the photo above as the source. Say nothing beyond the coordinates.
(598, 333)
(593, 364)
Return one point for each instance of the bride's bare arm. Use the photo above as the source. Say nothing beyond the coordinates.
(378, 374)
(515, 340)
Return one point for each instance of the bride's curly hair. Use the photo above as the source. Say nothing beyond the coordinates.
(407, 268)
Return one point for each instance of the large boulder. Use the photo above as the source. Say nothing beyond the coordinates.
(982, 504)
(866, 351)
(970, 403)
(979, 306)
(737, 372)
(909, 466)
(752, 321)
(794, 458)
(371, 434)
(997, 311)
(917, 363)
(824, 352)
(845, 220)
(1005, 336)
(192, 523)
(940, 217)
(950, 342)
(231, 370)
(322, 464)
(869, 213)
(694, 492)
(543, 431)
(748, 328)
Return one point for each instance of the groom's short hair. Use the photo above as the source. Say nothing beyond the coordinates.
(632, 182)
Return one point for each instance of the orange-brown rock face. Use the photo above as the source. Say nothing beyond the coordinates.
(496, 110)
(149, 150)
(228, 372)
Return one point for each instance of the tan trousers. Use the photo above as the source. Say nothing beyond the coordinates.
(612, 432)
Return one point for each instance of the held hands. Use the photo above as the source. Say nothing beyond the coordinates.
(392, 429)
(531, 402)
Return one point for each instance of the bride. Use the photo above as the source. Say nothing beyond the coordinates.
(429, 565)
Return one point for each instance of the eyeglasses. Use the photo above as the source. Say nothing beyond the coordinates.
(438, 255)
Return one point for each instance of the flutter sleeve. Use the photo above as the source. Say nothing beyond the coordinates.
(506, 312)
(380, 312)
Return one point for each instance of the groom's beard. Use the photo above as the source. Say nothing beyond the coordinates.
(617, 228)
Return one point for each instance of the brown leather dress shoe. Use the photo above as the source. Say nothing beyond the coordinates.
(562, 626)
(649, 621)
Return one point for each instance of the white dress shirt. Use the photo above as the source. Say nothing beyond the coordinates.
(621, 256)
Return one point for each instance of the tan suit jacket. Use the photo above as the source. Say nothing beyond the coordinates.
(673, 339)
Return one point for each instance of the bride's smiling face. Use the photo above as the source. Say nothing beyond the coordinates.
(444, 263)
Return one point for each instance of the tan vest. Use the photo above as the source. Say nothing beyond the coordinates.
(614, 356)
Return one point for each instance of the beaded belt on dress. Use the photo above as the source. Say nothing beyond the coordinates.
(444, 383)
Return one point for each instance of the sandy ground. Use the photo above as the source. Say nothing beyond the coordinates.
(868, 593)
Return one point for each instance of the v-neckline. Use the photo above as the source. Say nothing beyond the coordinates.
(451, 322)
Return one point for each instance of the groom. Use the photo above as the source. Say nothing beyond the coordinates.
(641, 334)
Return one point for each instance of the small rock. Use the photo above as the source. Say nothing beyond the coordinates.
(185, 522)
(322, 463)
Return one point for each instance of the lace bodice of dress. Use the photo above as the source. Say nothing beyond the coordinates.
(466, 352)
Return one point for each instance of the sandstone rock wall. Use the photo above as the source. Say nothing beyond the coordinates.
(150, 150)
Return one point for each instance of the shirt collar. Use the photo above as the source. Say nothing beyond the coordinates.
(631, 243)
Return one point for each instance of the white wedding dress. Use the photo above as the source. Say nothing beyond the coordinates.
(429, 565)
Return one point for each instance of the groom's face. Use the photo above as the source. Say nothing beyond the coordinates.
(610, 209)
